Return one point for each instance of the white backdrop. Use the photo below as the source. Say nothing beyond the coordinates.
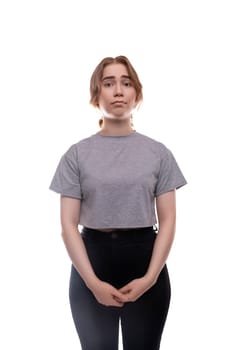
(182, 51)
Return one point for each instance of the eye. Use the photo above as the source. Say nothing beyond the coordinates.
(127, 83)
(107, 83)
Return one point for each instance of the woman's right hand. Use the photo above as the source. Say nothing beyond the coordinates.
(108, 295)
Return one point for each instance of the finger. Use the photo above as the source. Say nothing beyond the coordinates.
(125, 289)
(119, 296)
(120, 301)
(117, 302)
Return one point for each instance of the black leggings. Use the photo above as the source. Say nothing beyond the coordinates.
(117, 258)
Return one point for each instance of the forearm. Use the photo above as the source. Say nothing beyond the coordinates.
(162, 247)
(137, 287)
(78, 255)
(104, 292)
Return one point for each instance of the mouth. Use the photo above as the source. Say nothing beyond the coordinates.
(118, 102)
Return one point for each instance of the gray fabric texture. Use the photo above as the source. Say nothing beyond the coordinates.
(117, 179)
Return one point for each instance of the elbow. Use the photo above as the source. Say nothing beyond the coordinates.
(64, 235)
(68, 232)
(168, 226)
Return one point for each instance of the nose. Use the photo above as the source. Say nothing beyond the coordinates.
(118, 90)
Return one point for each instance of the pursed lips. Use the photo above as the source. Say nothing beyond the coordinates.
(118, 102)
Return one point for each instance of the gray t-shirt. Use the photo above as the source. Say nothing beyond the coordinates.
(117, 179)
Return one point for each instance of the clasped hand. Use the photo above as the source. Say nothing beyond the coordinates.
(108, 295)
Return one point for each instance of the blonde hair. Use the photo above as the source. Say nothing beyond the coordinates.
(96, 78)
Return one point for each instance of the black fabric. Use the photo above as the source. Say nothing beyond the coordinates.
(118, 257)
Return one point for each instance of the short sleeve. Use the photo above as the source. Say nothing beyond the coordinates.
(170, 176)
(66, 179)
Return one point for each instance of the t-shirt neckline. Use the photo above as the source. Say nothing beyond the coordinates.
(116, 136)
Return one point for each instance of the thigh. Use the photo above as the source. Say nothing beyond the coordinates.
(143, 321)
(96, 324)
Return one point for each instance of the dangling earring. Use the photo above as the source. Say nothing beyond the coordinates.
(101, 121)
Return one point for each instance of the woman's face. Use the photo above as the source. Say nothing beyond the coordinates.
(117, 95)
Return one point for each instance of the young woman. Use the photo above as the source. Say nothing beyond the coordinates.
(118, 185)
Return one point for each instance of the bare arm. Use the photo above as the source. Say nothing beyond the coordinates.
(166, 210)
(104, 292)
(70, 212)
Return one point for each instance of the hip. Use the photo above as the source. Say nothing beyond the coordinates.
(119, 256)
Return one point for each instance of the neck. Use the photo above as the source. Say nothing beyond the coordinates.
(116, 128)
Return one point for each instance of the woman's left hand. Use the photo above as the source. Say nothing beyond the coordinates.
(136, 288)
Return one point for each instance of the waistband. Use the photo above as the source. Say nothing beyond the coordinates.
(118, 233)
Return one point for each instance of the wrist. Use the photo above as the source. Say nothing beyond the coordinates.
(92, 282)
(150, 279)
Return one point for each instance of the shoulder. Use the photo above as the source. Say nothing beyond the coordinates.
(75, 148)
(154, 144)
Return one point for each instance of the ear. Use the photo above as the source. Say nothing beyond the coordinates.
(96, 101)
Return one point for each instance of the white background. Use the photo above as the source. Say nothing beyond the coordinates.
(182, 51)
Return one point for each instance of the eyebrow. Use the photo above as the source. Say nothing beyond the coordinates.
(113, 77)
